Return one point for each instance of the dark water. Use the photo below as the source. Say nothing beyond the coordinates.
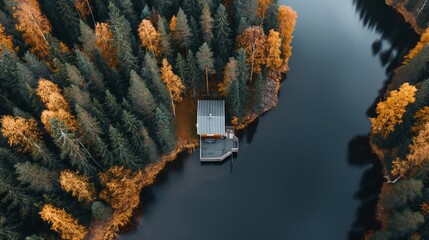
(304, 170)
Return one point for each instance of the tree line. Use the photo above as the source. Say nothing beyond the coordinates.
(88, 92)
(400, 137)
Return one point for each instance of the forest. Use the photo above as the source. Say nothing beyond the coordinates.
(416, 12)
(399, 137)
(90, 91)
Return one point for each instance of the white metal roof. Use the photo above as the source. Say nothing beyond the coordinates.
(211, 117)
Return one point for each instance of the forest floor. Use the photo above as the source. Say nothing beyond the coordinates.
(186, 121)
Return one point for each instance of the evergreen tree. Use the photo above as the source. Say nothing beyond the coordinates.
(36, 66)
(122, 40)
(127, 10)
(258, 104)
(87, 38)
(191, 7)
(151, 74)
(181, 67)
(90, 72)
(237, 93)
(272, 21)
(194, 42)
(37, 177)
(193, 76)
(164, 39)
(121, 150)
(165, 131)
(113, 108)
(206, 22)
(206, 62)
(145, 14)
(222, 34)
(182, 32)
(141, 98)
(64, 18)
(247, 9)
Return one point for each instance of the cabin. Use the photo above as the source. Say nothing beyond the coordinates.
(217, 141)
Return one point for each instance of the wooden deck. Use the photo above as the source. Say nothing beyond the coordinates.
(217, 150)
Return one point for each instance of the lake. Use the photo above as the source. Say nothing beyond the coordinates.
(304, 170)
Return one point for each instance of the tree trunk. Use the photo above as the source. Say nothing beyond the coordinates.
(90, 10)
(172, 105)
(207, 80)
(421, 9)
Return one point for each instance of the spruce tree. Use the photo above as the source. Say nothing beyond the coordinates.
(90, 72)
(64, 18)
(192, 8)
(272, 21)
(182, 32)
(141, 98)
(247, 9)
(37, 67)
(222, 34)
(164, 39)
(192, 73)
(151, 74)
(113, 108)
(206, 22)
(87, 38)
(121, 149)
(237, 93)
(206, 62)
(122, 40)
(165, 131)
(180, 67)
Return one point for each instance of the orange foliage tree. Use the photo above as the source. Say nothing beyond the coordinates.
(263, 6)
(103, 40)
(419, 149)
(421, 117)
(63, 223)
(84, 8)
(57, 106)
(391, 111)
(5, 40)
(173, 83)
(122, 192)
(287, 20)
(424, 40)
(274, 60)
(149, 36)
(33, 25)
(78, 185)
(254, 42)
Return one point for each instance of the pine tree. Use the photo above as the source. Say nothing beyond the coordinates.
(127, 10)
(173, 83)
(37, 177)
(196, 40)
(206, 62)
(222, 34)
(64, 18)
(113, 108)
(71, 147)
(181, 32)
(141, 98)
(145, 14)
(89, 127)
(90, 72)
(247, 9)
(36, 66)
(206, 22)
(152, 77)
(181, 67)
(78, 185)
(271, 21)
(87, 38)
(122, 40)
(63, 223)
(191, 7)
(164, 39)
(165, 133)
(237, 93)
(121, 150)
(192, 72)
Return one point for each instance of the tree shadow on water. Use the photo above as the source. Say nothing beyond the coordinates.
(360, 155)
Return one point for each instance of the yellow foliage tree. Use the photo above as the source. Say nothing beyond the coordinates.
(78, 185)
(391, 111)
(103, 40)
(420, 118)
(229, 74)
(122, 192)
(263, 6)
(254, 42)
(33, 25)
(173, 23)
(57, 106)
(419, 149)
(149, 36)
(173, 83)
(21, 133)
(399, 167)
(287, 20)
(5, 40)
(424, 40)
(63, 223)
(274, 42)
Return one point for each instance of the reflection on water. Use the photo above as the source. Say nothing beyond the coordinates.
(375, 14)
